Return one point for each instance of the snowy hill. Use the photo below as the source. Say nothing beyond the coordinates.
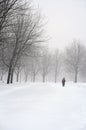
(41, 106)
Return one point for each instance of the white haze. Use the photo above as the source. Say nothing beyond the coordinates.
(66, 21)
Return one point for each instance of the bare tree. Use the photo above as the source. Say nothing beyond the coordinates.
(2, 73)
(83, 68)
(74, 58)
(56, 63)
(34, 67)
(6, 10)
(26, 72)
(3, 68)
(18, 70)
(24, 33)
(6, 7)
(45, 65)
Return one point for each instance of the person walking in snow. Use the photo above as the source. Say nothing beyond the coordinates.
(63, 82)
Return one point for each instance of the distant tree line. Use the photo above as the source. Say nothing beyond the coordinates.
(41, 65)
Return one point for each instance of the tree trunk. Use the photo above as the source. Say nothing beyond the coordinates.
(9, 74)
(56, 66)
(12, 76)
(2, 75)
(17, 77)
(75, 78)
(26, 78)
(34, 77)
(43, 77)
(55, 76)
(20, 77)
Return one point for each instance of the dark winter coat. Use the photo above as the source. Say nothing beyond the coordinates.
(63, 82)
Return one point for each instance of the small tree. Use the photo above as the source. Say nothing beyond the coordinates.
(45, 65)
(83, 67)
(18, 70)
(34, 68)
(26, 72)
(55, 65)
(74, 58)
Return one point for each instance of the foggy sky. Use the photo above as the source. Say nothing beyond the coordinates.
(66, 21)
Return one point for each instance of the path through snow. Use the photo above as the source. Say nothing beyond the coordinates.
(43, 107)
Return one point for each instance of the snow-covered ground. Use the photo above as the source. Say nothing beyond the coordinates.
(41, 106)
